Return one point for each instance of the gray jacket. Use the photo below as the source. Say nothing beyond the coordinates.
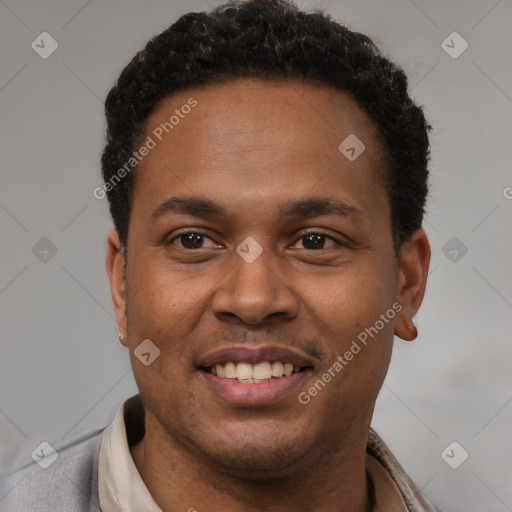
(69, 484)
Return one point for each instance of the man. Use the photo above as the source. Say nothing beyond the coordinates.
(267, 175)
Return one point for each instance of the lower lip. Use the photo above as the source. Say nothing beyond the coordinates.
(257, 393)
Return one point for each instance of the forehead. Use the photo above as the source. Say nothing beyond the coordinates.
(228, 112)
(256, 139)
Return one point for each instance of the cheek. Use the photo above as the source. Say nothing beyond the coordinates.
(353, 313)
(350, 299)
(162, 299)
(162, 307)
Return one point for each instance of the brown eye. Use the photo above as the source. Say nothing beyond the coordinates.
(316, 241)
(191, 240)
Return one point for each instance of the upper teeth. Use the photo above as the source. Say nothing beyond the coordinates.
(260, 371)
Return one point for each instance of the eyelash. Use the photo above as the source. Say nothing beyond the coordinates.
(304, 235)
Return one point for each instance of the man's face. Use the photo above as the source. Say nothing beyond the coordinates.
(254, 149)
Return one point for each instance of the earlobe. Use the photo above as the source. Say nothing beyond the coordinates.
(405, 328)
(411, 282)
(115, 265)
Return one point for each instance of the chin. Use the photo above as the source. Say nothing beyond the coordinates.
(254, 452)
(255, 461)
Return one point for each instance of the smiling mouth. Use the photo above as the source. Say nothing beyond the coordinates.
(247, 373)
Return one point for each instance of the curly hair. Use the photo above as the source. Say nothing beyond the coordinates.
(271, 40)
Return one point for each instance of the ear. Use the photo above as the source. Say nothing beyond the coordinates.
(116, 274)
(411, 282)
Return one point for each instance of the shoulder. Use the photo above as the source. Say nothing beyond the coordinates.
(64, 478)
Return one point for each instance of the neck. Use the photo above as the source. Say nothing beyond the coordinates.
(331, 481)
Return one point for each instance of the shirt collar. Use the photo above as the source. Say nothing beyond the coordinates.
(120, 486)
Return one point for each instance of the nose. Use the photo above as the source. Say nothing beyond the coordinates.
(253, 292)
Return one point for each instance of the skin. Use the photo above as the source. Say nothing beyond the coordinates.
(247, 144)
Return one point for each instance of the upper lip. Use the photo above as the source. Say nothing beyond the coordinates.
(254, 355)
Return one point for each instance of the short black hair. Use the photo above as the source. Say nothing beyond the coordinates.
(271, 40)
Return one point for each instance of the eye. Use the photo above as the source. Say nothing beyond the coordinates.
(316, 241)
(192, 240)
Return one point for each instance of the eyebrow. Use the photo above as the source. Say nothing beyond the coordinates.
(301, 208)
(196, 206)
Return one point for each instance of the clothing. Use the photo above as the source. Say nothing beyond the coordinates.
(95, 472)
(70, 484)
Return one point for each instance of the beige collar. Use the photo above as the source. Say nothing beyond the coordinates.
(387, 495)
(120, 486)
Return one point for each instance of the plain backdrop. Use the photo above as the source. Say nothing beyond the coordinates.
(62, 370)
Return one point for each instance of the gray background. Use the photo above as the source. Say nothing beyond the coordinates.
(62, 370)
